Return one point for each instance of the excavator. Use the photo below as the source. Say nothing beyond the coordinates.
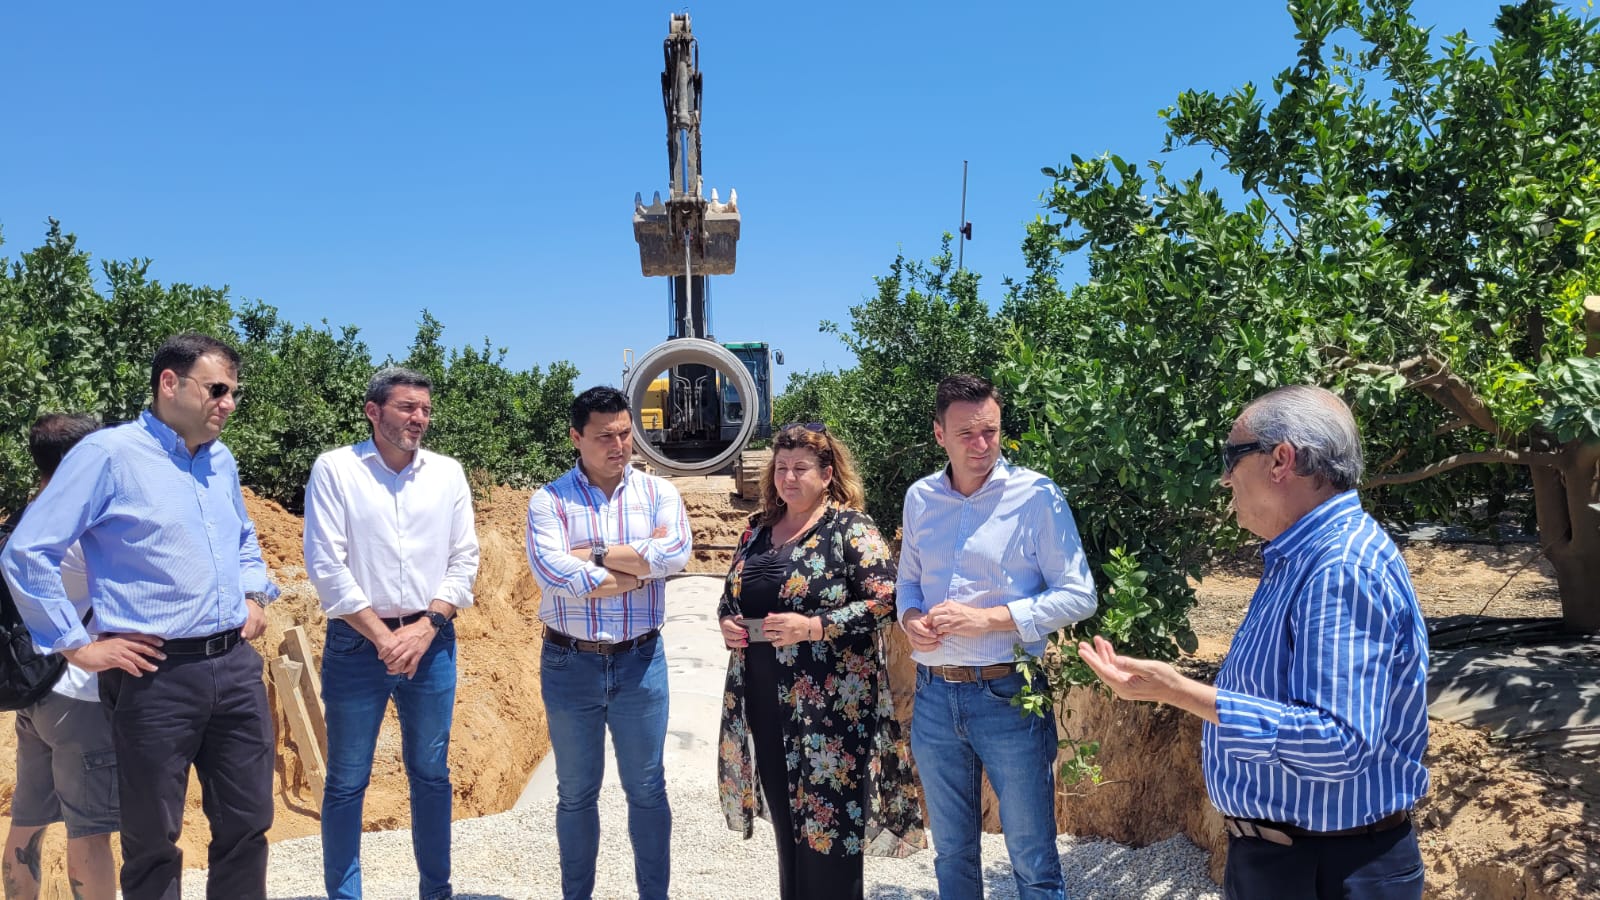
(697, 403)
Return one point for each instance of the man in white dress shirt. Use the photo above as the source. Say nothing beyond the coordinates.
(391, 549)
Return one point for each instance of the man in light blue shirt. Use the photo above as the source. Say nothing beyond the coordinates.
(178, 587)
(1315, 731)
(990, 561)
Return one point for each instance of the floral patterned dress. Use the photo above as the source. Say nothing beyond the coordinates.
(841, 739)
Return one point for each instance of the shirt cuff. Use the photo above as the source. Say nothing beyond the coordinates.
(1249, 720)
(1022, 618)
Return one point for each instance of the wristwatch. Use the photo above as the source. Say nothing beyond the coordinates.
(597, 555)
(437, 619)
(259, 598)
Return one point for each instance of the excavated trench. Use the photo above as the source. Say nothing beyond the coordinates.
(1495, 824)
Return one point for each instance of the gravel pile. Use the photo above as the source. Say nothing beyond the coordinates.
(513, 856)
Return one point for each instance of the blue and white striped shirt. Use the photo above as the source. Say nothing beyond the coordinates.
(1012, 543)
(570, 514)
(1323, 696)
(169, 547)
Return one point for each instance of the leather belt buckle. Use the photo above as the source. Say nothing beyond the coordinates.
(1244, 828)
(218, 643)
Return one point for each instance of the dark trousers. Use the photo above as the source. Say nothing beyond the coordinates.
(803, 873)
(1382, 866)
(210, 713)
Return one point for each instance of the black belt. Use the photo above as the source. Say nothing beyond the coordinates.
(395, 622)
(972, 673)
(214, 645)
(604, 648)
(1284, 834)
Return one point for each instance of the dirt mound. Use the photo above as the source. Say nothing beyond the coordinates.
(499, 734)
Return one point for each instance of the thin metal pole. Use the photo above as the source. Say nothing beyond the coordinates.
(961, 224)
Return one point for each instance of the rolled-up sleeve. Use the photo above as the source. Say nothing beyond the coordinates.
(1068, 595)
(558, 572)
(668, 554)
(32, 559)
(327, 545)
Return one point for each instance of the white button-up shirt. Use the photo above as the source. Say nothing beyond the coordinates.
(1013, 542)
(391, 541)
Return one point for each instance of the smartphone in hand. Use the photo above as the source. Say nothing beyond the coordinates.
(753, 628)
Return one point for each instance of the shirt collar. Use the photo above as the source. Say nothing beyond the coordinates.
(1298, 537)
(166, 437)
(583, 477)
(997, 475)
(368, 449)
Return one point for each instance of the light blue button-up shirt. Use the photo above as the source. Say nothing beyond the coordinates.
(168, 545)
(1013, 542)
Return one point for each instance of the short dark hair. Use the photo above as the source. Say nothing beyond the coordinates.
(600, 399)
(181, 351)
(53, 434)
(964, 389)
(385, 380)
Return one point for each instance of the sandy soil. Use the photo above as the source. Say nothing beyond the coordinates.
(499, 732)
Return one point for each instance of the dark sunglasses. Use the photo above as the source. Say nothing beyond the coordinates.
(813, 427)
(216, 390)
(1232, 453)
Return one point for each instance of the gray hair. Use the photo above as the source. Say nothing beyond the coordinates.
(385, 380)
(1317, 424)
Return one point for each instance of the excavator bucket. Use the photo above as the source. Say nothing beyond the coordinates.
(659, 228)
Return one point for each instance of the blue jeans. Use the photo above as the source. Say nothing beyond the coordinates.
(585, 693)
(356, 688)
(960, 731)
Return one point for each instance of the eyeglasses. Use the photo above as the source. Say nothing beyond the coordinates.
(1232, 453)
(813, 427)
(216, 390)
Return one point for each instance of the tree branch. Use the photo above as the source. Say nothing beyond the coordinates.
(1508, 457)
(1431, 376)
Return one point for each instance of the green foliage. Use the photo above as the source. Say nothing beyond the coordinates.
(67, 347)
(924, 323)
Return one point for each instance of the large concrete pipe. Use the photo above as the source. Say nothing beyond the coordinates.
(691, 351)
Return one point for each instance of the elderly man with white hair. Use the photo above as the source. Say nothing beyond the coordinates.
(1316, 727)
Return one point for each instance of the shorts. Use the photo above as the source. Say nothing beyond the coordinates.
(66, 767)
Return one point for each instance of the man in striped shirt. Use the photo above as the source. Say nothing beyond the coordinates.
(600, 540)
(1316, 727)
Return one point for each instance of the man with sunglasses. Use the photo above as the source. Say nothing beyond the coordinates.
(392, 550)
(1315, 730)
(990, 561)
(178, 588)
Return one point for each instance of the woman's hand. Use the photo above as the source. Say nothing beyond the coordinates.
(792, 628)
(733, 634)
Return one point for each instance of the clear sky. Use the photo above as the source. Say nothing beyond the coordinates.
(357, 162)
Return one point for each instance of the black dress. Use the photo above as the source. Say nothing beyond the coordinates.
(803, 874)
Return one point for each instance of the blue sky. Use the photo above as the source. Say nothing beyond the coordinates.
(359, 162)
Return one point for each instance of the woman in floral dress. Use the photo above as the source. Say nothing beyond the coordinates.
(809, 738)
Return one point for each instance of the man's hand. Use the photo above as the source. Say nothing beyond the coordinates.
(919, 632)
(132, 653)
(255, 620)
(1147, 679)
(952, 619)
(404, 653)
(733, 634)
(790, 628)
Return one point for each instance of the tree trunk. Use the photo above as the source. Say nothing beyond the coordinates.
(1567, 500)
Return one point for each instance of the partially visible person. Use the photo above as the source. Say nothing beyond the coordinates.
(66, 764)
(392, 551)
(1315, 731)
(990, 561)
(809, 738)
(178, 588)
(601, 539)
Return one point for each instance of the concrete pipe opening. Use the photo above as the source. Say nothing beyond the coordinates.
(664, 444)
